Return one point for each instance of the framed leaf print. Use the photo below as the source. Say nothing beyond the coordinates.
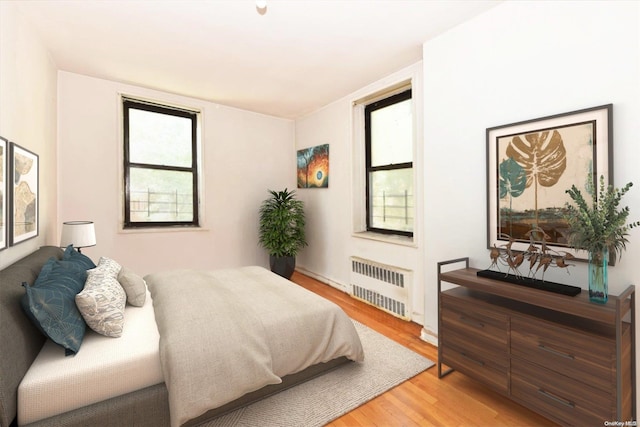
(24, 194)
(531, 164)
(4, 193)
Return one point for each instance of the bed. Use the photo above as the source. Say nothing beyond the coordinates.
(193, 337)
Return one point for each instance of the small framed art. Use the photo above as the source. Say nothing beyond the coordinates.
(4, 193)
(313, 167)
(24, 187)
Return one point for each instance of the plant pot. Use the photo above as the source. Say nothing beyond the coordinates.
(598, 280)
(282, 266)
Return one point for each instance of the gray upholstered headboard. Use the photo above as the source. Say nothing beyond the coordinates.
(20, 341)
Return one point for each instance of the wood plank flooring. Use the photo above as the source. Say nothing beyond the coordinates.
(424, 400)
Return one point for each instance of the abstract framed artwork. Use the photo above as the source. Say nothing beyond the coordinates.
(4, 193)
(531, 164)
(24, 178)
(313, 167)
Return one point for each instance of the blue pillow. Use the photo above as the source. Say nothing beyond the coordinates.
(50, 303)
(72, 255)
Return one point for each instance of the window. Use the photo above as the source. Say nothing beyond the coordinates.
(389, 165)
(160, 165)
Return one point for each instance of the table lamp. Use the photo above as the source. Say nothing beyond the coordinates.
(80, 234)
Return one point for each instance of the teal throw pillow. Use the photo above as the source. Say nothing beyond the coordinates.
(73, 255)
(50, 303)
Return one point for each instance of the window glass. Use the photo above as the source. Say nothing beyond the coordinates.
(392, 134)
(391, 199)
(160, 195)
(159, 138)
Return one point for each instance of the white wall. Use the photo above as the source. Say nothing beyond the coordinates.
(518, 61)
(330, 211)
(28, 114)
(243, 155)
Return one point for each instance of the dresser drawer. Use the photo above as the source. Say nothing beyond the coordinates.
(584, 357)
(478, 366)
(475, 321)
(486, 348)
(468, 305)
(559, 397)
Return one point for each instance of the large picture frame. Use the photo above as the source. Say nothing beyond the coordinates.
(4, 193)
(24, 185)
(531, 164)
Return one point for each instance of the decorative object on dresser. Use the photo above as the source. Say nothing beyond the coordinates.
(538, 256)
(563, 357)
(281, 230)
(80, 234)
(600, 229)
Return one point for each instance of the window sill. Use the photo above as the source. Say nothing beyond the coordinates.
(386, 238)
(177, 229)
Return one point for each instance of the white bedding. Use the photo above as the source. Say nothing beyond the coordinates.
(242, 329)
(103, 368)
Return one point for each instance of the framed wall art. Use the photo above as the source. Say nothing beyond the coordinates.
(23, 194)
(531, 164)
(313, 167)
(4, 193)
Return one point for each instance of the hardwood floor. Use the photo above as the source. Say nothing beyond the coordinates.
(424, 400)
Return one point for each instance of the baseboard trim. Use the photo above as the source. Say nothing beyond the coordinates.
(323, 279)
(429, 336)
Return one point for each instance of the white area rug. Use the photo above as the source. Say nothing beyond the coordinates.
(325, 398)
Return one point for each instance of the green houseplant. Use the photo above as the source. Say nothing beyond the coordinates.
(599, 228)
(281, 230)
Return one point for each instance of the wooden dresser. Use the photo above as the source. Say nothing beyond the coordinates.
(563, 357)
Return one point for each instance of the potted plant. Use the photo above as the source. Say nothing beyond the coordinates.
(281, 231)
(599, 228)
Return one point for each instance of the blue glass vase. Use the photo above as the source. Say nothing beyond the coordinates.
(598, 281)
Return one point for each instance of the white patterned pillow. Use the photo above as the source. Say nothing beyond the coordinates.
(109, 266)
(102, 302)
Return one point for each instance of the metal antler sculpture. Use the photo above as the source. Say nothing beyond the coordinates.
(539, 255)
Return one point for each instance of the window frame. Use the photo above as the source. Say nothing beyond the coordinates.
(368, 109)
(132, 103)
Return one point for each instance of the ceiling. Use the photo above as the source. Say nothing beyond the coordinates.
(298, 56)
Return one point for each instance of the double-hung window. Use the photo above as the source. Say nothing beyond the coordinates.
(160, 165)
(389, 165)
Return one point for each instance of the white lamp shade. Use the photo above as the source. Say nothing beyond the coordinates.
(80, 234)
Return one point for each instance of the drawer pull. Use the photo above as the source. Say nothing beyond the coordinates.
(471, 322)
(555, 398)
(556, 352)
(477, 362)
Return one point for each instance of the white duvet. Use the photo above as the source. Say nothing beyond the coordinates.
(225, 333)
(103, 368)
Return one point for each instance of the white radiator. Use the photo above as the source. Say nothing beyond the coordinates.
(383, 286)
